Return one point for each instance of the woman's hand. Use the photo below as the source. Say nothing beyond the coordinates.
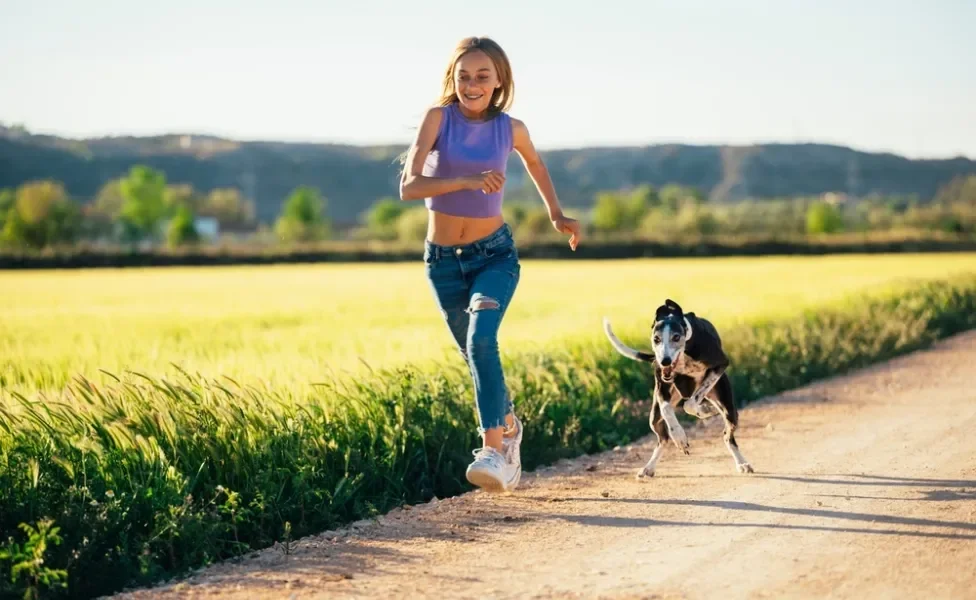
(488, 182)
(571, 227)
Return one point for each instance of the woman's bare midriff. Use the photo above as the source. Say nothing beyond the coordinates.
(448, 230)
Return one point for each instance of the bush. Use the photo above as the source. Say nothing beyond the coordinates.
(154, 476)
(823, 217)
(303, 217)
(182, 230)
(39, 214)
(609, 213)
(411, 226)
(381, 220)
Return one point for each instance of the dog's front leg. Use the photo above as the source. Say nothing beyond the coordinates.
(662, 394)
(675, 430)
(660, 431)
(693, 405)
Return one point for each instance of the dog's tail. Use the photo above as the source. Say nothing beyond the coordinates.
(623, 348)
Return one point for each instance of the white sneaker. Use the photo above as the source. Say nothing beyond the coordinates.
(511, 448)
(492, 472)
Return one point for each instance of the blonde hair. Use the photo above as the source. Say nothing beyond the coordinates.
(501, 98)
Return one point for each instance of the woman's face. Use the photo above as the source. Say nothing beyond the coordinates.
(475, 79)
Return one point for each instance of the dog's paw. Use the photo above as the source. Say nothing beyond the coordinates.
(744, 468)
(645, 472)
(680, 439)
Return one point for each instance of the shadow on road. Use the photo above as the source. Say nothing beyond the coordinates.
(955, 529)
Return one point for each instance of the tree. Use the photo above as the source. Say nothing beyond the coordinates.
(303, 217)
(515, 212)
(959, 190)
(143, 204)
(412, 224)
(109, 200)
(182, 230)
(623, 210)
(823, 217)
(693, 218)
(7, 197)
(674, 196)
(382, 217)
(642, 198)
(177, 195)
(608, 212)
(40, 214)
(103, 214)
(229, 207)
(536, 223)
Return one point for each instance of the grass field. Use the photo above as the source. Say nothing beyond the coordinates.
(291, 326)
(154, 475)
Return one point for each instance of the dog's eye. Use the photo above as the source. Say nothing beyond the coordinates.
(676, 338)
(657, 340)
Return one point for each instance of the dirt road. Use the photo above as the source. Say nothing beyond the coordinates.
(865, 487)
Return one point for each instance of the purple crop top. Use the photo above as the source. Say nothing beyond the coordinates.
(467, 147)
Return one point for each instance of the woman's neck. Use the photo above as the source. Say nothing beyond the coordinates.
(474, 116)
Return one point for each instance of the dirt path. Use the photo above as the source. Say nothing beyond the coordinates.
(865, 487)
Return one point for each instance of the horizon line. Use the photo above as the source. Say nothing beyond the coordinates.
(404, 143)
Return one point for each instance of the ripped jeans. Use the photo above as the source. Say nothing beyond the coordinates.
(473, 285)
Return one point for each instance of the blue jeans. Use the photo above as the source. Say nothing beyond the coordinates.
(473, 285)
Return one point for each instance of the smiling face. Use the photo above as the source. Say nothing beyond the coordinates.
(475, 79)
(478, 78)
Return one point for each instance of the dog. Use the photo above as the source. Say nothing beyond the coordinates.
(690, 368)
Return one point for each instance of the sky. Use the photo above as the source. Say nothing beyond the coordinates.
(891, 76)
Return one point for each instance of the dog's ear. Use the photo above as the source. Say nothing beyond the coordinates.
(687, 329)
(673, 306)
(662, 312)
(669, 308)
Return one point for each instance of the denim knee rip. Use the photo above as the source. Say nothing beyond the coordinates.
(481, 302)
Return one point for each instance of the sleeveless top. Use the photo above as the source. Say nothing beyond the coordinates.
(468, 147)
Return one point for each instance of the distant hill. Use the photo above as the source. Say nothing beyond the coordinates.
(353, 177)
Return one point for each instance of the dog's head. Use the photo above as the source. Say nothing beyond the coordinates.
(670, 333)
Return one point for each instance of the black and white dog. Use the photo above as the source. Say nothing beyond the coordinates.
(689, 366)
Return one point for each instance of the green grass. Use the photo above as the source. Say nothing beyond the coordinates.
(292, 326)
(156, 473)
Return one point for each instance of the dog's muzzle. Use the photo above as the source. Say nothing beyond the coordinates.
(667, 373)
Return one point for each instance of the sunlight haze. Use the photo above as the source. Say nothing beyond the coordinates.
(878, 76)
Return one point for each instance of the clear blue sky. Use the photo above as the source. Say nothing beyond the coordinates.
(891, 75)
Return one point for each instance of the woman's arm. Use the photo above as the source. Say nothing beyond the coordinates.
(540, 176)
(414, 185)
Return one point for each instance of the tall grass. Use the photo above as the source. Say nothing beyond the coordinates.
(149, 476)
(292, 325)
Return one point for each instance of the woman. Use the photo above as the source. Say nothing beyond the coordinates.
(457, 164)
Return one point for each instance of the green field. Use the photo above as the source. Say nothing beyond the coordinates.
(291, 326)
(165, 470)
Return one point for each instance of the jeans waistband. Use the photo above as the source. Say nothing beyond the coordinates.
(500, 237)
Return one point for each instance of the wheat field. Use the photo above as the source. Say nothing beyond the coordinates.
(290, 326)
(166, 471)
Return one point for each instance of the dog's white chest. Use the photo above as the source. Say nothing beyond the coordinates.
(691, 368)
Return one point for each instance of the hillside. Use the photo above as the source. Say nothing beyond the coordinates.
(353, 177)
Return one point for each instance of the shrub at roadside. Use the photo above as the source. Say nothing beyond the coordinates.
(151, 477)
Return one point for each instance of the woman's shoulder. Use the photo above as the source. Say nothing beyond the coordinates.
(520, 131)
(432, 123)
(434, 115)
